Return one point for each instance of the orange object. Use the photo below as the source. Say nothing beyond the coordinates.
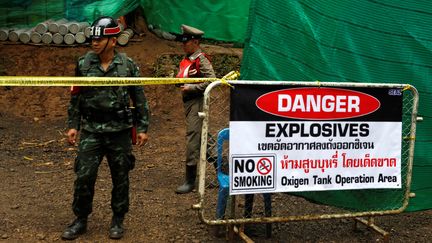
(75, 90)
(134, 135)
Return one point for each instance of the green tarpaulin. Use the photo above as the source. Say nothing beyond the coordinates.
(385, 41)
(221, 20)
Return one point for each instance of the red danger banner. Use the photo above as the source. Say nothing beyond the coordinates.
(314, 138)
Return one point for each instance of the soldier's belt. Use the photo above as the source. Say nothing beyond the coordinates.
(106, 116)
(94, 81)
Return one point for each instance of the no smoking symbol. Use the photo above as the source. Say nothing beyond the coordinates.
(264, 166)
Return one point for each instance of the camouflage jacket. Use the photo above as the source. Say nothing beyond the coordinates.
(108, 109)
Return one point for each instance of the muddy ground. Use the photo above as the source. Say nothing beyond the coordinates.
(36, 162)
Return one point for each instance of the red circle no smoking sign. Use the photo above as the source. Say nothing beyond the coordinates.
(264, 166)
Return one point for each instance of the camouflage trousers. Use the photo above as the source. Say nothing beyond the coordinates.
(117, 147)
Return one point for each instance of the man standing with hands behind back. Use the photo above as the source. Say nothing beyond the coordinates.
(104, 115)
(196, 64)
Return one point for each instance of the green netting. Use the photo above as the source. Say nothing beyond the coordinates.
(358, 41)
(28, 13)
(89, 10)
(221, 20)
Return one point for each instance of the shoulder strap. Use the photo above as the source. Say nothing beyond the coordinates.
(122, 68)
(85, 67)
(198, 61)
(197, 64)
(122, 71)
(207, 56)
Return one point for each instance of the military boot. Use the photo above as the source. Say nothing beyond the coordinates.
(189, 183)
(77, 228)
(116, 231)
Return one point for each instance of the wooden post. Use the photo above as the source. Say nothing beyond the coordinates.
(42, 28)
(14, 35)
(69, 38)
(80, 37)
(57, 38)
(54, 26)
(64, 28)
(4, 33)
(35, 37)
(24, 36)
(47, 38)
(75, 27)
(125, 36)
(87, 32)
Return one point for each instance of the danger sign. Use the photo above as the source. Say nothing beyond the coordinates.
(286, 139)
(317, 103)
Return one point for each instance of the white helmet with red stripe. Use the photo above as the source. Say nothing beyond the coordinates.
(104, 27)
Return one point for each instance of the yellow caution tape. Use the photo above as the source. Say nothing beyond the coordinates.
(407, 87)
(225, 82)
(230, 76)
(94, 81)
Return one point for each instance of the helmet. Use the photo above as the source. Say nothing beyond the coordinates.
(104, 27)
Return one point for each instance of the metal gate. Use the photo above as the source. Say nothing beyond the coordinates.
(287, 207)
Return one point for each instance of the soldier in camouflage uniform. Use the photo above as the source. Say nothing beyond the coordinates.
(195, 65)
(105, 117)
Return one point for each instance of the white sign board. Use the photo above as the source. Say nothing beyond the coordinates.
(314, 139)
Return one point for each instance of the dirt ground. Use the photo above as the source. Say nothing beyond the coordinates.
(36, 162)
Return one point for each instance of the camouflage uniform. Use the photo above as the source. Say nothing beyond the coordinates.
(104, 116)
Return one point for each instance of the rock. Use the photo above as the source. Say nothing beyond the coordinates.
(16, 206)
(41, 236)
